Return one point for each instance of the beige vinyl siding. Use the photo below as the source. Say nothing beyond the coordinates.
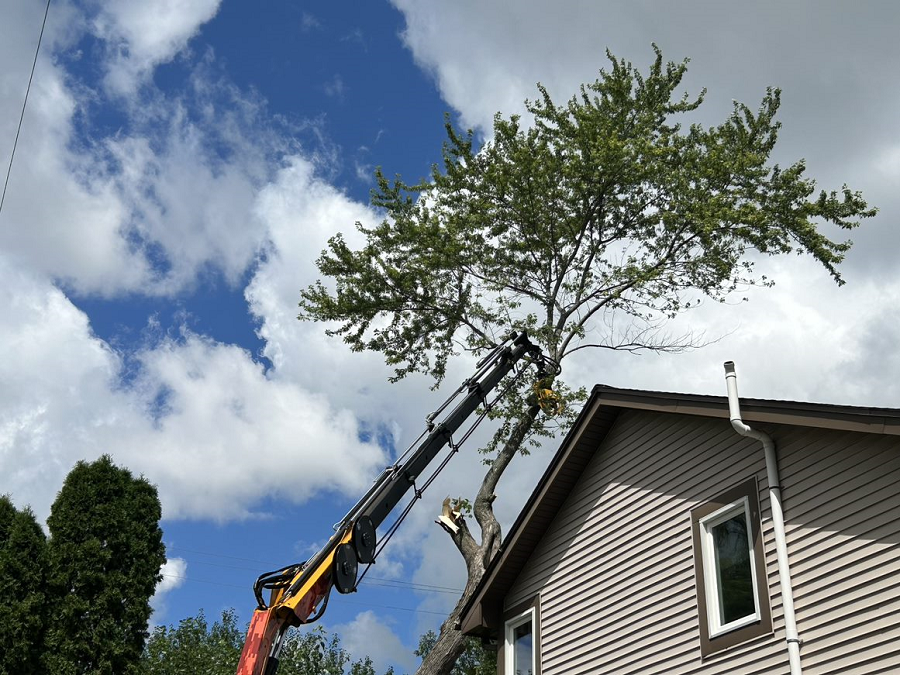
(842, 513)
(615, 570)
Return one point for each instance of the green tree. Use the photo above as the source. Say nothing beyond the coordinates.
(589, 229)
(312, 652)
(104, 559)
(365, 667)
(195, 647)
(22, 601)
(475, 660)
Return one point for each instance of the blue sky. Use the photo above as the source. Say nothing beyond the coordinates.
(181, 165)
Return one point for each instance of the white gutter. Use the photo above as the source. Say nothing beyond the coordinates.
(784, 572)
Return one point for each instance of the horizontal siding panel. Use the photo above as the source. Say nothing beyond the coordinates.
(850, 482)
(842, 515)
(861, 649)
(583, 522)
(626, 602)
(830, 551)
(879, 572)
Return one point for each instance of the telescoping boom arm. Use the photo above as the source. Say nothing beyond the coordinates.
(299, 593)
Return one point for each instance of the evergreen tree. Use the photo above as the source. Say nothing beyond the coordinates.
(104, 559)
(22, 600)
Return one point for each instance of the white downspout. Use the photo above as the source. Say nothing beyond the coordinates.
(784, 572)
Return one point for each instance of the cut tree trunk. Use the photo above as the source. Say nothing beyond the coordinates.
(451, 642)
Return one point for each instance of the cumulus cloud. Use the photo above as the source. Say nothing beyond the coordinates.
(174, 572)
(151, 208)
(188, 178)
(242, 435)
(201, 420)
(301, 211)
(141, 35)
(369, 635)
(78, 234)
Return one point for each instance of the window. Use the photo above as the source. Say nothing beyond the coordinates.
(729, 572)
(521, 645)
(730, 569)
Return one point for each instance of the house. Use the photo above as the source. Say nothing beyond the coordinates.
(649, 545)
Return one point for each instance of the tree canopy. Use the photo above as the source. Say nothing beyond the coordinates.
(22, 596)
(193, 646)
(589, 227)
(603, 206)
(104, 558)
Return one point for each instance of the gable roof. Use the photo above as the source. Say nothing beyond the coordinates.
(482, 613)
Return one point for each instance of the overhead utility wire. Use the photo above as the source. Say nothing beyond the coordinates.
(399, 582)
(363, 604)
(377, 581)
(24, 103)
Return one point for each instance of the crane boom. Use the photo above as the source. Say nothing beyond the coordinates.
(299, 593)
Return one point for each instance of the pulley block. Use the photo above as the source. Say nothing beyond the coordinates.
(345, 568)
(364, 540)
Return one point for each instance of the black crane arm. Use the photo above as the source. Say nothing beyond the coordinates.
(299, 593)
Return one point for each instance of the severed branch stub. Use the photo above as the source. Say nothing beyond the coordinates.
(450, 517)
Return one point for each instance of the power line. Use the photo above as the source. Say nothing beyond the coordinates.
(24, 103)
(371, 581)
(268, 564)
(201, 581)
(350, 602)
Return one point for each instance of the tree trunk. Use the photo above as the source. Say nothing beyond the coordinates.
(451, 642)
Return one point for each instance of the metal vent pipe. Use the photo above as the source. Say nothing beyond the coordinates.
(792, 637)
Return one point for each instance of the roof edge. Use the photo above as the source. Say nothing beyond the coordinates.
(821, 415)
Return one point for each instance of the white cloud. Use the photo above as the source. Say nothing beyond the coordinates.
(132, 198)
(56, 383)
(309, 22)
(78, 234)
(142, 35)
(151, 208)
(231, 434)
(888, 162)
(369, 635)
(301, 212)
(174, 574)
(335, 88)
(202, 421)
(189, 200)
(487, 57)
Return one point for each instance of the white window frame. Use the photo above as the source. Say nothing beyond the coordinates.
(707, 546)
(509, 648)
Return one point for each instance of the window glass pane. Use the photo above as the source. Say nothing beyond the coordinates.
(522, 661)
(733, 573)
